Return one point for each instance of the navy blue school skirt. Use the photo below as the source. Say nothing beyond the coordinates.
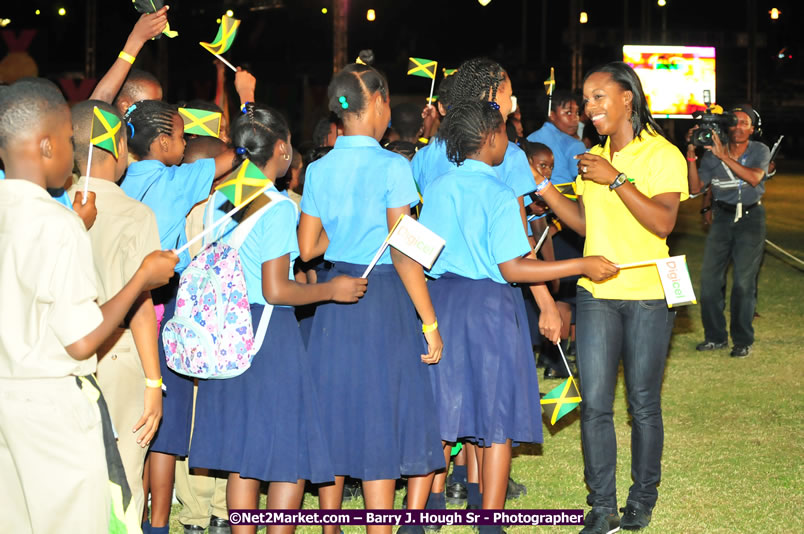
(486, 385)
(173, 436)
(377, 405)
(265, 423)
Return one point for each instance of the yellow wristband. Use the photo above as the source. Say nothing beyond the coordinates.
(151, 383)
(125, 56)
(429, 327)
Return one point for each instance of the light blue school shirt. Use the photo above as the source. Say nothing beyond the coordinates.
(564, 147)
(478, 217)
(431, 162)
(171, 192)
(59, 195)
(349, 189)
(273, 236)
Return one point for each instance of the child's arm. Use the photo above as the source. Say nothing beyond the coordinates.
(156, 270)
(280, 291)
(529, 270)
(148, 26)
(412, 277)
(571, 213)
(313, 239)
(143, 329)
(245, 85)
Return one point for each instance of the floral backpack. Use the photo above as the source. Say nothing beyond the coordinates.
(211, 335)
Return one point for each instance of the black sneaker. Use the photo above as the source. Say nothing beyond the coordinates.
(456, 493)
(636, 516)
(711, 345)
(352, 489)
(600, 522)
(515, 490)
(740, 351)
(219, 525)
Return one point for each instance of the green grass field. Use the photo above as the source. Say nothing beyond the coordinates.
(734, 439)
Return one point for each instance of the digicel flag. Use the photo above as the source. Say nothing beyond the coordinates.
(676, 281)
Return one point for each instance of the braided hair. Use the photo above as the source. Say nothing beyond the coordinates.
(350, 89)
(467, 126)
(147, 120)
(255, 133)
(476, 79)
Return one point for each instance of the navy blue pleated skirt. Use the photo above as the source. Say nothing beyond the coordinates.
(486, 385)
(173, 436)
(265, 423)
(377, 405)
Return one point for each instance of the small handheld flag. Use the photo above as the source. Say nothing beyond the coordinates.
(201, 122)
(223, 41)
(414, 240)
(248, 184)
(426, 68)
(152, 6)
(549, 87)
(561, 400)
(102, 134)
(675, 278)
(448, 72)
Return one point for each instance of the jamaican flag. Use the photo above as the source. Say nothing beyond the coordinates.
(226, 34)
(449, 72)
(152, 6)
(561, 400)
(105, 129)
(426, 68)
(550, 83)
(201, 122)
(248, 183)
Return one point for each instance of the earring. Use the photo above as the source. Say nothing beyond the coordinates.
(285, 157)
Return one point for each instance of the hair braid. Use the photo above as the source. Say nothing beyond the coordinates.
(466, 127)
(148, 119)
(476, 79)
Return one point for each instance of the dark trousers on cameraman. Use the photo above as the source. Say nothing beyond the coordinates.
(742, 244)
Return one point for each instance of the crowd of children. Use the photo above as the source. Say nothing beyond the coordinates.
(370, 378)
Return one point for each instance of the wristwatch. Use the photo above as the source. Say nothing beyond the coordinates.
(620, 180)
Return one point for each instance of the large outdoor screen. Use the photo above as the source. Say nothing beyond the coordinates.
(674, 77)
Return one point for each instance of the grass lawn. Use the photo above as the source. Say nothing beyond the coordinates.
(734, 434)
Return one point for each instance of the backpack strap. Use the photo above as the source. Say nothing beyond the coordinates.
(239, 235)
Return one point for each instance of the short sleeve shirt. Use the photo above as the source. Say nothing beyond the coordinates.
(48, 285)
(733, 190)
(564, 148)
(171, 192)
(655, 166)
(478, 217)
(124, 232)
(350, 189)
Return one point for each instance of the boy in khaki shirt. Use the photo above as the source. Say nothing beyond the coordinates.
(52, 453)
(124, 233)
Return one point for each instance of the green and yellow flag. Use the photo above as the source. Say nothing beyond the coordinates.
(248, 183)
(104, 130)
(550, 83)
(449, 72)
(426, 68)
(561, 400)
(225, 37)
(201, 122)
(152, 6)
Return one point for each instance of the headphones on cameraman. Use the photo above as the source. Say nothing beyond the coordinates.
(757, 125)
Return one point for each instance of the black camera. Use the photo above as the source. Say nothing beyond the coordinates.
(710, 125)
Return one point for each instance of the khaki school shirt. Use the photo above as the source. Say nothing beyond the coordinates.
(123, 234)
(47, 285)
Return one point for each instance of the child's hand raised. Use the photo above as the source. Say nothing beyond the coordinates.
(157, 268)
(598, 268)
(348, 289)
(245, 84)
(150, 25)
(87, 211)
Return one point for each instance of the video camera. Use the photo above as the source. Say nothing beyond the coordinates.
(712, 122)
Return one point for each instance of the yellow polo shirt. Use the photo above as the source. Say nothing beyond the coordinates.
(655, 166)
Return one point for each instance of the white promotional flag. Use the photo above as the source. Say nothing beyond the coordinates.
(413, 239)
(676, 281)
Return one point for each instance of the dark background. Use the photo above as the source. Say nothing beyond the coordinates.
(288, 45)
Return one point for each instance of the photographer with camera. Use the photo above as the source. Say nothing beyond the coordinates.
(736, 168)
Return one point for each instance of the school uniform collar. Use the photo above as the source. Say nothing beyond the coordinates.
(145, 165)
(473, 165)
(99, 185)
(25, 188)
(355, 141)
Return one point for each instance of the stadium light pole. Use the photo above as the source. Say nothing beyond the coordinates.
(340, 19)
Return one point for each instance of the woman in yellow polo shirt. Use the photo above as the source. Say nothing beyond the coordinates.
(629, 189)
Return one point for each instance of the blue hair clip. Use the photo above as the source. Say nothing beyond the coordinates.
(240, 150)
(131, 127)
(344, 103)
(494, 105)
(130, 110)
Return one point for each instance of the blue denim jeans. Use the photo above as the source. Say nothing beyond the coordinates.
(638, 331)
(741, 244)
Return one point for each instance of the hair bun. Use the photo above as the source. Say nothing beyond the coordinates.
(366, 56)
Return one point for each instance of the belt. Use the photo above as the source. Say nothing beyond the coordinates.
(733, 208)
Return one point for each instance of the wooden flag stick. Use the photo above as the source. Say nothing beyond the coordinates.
(564, 358)
(89, 166)
(636, 264)
(432, 87)
(541, 240)
(224, 61)
(226, 218)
